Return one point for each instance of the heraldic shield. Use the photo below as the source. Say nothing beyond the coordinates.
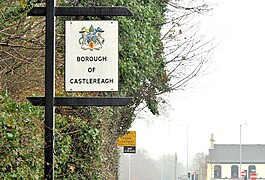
(91, 38)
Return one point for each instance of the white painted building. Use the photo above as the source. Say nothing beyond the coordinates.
(223, 161)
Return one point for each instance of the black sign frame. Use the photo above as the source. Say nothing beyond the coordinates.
(49, 101)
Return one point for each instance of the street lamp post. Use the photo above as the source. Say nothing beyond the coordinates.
(187, 149)
(240, 150)
(175, 168)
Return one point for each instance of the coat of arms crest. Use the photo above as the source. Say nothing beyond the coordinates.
(91, 38)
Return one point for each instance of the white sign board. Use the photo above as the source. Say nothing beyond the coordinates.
(91, 55)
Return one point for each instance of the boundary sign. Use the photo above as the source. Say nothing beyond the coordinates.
(91, 56)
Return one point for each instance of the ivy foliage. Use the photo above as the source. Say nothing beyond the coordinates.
(21, 145)
(78, 144)
(78, 148)
(142, 68)
(142, 65)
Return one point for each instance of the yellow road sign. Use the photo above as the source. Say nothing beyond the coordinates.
(128, 139)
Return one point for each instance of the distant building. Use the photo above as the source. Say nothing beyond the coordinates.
(223, 160)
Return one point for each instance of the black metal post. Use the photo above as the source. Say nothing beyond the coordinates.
(49, 89)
